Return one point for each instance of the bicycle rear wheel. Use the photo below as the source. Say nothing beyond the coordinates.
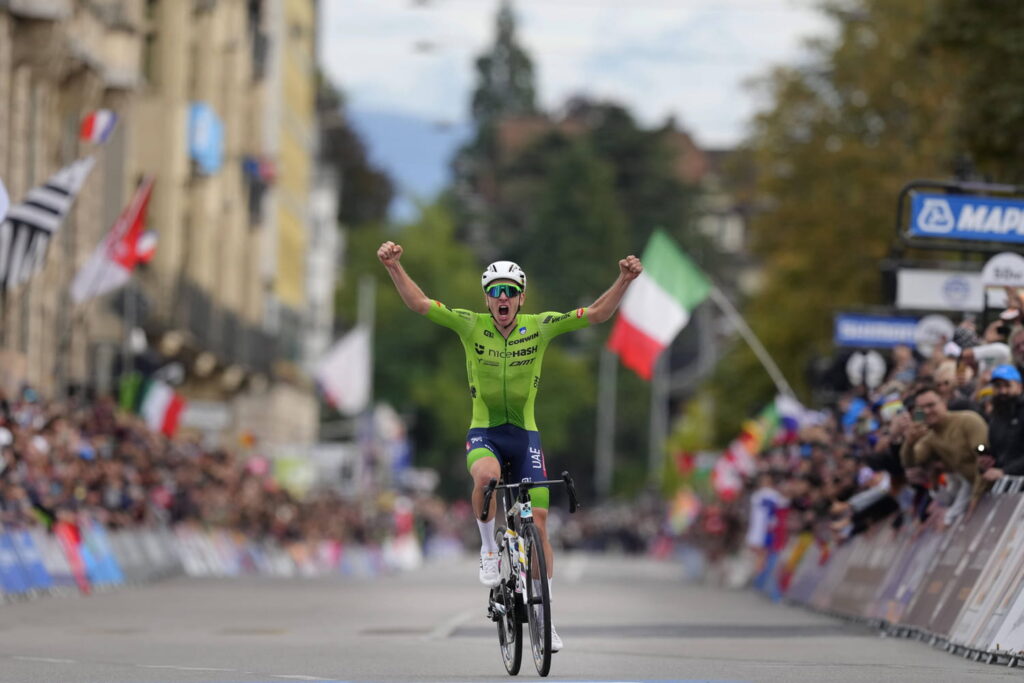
(538, 601)
(510, 628)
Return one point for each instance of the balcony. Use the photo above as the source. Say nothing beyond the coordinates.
(53, 10)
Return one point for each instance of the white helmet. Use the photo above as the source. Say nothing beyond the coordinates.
(503, 270)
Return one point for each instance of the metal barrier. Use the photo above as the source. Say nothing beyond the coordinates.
(961, 589)
(87, 557)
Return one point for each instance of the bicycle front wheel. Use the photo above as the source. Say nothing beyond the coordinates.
(538, 603)
(510, 628)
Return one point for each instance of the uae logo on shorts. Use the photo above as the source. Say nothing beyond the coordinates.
(522, 330)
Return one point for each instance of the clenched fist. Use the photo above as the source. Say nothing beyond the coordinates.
(630, 267)
(389, 253)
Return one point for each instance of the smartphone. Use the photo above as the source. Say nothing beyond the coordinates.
(918, 416)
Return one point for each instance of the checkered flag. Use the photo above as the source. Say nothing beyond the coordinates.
(30, 224)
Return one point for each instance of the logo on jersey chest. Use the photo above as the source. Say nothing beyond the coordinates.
(523, 339)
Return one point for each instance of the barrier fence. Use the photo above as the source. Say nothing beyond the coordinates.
(962, 588)
(85, 556)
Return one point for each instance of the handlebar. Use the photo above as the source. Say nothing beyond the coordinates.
(493, 485)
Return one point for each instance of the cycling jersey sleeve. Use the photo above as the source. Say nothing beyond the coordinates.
(457, 319)
(553, 324)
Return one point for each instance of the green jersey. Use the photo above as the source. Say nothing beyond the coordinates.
(504, 374)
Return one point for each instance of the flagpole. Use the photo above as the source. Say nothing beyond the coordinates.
(366, 315)
(604, 455)
(659, 418)
(755, 344)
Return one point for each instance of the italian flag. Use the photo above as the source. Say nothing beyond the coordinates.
(657, 304)
(154, 400)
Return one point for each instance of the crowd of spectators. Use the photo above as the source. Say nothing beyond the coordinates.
(921, 446)
(59, 461)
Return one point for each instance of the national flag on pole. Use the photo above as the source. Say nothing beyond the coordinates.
(161, 407)
(97, 126)
(344, 373)
(657, 304)
(125, 246)
(30, 225)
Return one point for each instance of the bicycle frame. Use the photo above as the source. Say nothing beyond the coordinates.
(518, 511)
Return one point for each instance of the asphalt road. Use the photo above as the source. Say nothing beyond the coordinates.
(620, 620)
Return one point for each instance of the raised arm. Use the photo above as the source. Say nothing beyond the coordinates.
(602, 309)
(389, 253)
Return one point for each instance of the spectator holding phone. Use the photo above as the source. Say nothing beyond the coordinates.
(947, 441)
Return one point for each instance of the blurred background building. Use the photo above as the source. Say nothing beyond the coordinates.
(216, 100)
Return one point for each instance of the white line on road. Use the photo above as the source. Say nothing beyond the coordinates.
(445, 628)
(299, 677)
(183, 668)
(54, 660)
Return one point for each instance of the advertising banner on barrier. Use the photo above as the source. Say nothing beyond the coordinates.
(835, 570)
(53, 558)
(983, 540)
(13, 576)
(939, 581)
(31, 560)
(996, 587)
(900, 585)
(866, 570)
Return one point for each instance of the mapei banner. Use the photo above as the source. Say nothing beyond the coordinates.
(961, 217)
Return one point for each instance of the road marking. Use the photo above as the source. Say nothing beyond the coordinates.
(53, 660)
(299, 677)
(447, 627)
(183, 668)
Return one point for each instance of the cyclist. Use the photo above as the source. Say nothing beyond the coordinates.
(504, 349)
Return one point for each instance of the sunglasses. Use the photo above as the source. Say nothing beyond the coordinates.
(495, 291)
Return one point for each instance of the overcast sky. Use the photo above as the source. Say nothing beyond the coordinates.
(687, 58)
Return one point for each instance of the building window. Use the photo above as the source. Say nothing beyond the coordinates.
(149, 59)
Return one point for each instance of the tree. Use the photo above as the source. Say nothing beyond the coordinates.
(504, 85)
(984, 39)
(365, 192)
(839, 138)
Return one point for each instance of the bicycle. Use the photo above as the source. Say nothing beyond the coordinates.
(521, 554)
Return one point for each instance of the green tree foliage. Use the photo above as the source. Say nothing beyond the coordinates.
(505, 84)
(986, 40)
(365, 192)
(841, 135)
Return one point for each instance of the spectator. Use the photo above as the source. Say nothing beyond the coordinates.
(946, 443)
(904, 366)
(1005, 454)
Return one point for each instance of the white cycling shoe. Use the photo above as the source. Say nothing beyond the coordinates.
(556, 642)
(489, 575)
